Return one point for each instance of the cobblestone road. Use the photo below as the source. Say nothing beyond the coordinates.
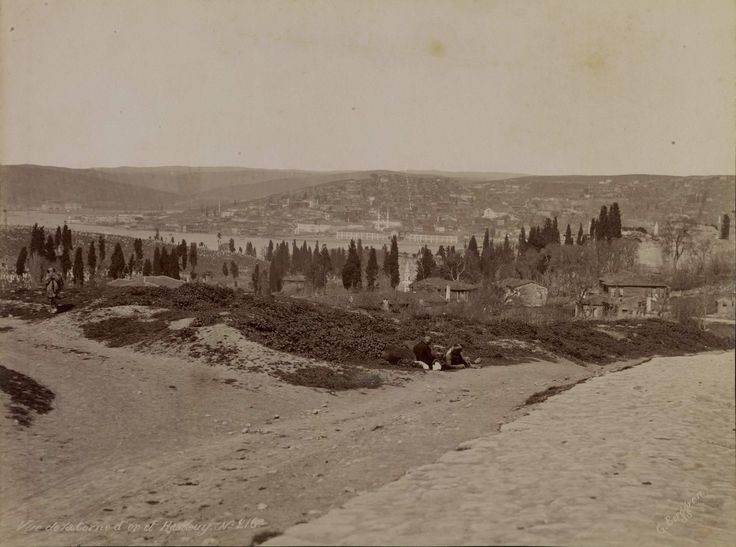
(644, 456)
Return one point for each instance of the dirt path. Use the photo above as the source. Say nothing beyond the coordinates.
(150, 449)
(642, 457)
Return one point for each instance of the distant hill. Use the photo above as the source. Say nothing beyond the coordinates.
(31, 185)
(190, 181)
(469, 176)
(150, 187)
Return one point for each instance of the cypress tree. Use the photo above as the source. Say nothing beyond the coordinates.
(426, 264)
(614, 222)
(131, 265)
(593, 229)
(294, 257)
(147, 268)
(50, 249)
(361, 254)
(472, 261)
(371, 270)
(521, 246)
(101, 245)
(234, 271)
(581, 237)
(725, 227)
(269, 251)
(255, 279)
(66, 237)
(117, 262)
(37, 240)
(274, 279)
(138, 248)
(231, 245)
(568, 236)
(157, 270)
(183, 252)
(394, 263)
(78, 268)
(601, 227)
(326, 260)
(555, 232)
(319, 274)
(66, 262)
(225, 271)
(193, 255)
(20, 263)
(386, 265)
(351, 271)
(57, 237)
(92, 259)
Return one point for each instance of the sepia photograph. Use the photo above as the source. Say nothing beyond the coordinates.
(367, 272)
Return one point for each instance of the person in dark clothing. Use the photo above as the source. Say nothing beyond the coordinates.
(423, 353)
(454, 358)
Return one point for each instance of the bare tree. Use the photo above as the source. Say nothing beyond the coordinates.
(677, 238)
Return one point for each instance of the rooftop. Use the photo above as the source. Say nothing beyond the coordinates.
(437, 283)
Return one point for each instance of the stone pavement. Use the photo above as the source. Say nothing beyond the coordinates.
(640, 457)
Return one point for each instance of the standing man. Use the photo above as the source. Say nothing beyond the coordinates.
(53, 283)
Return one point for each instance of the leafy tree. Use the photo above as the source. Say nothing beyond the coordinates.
(147, 268)
(78, 268)
(20, 264)
(92, 259)
(568, 236)
(454, 265)
(225, 271)
(394, 263)
(371, 270)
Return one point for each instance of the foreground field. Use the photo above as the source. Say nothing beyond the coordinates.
(157, 417)
(642, 457)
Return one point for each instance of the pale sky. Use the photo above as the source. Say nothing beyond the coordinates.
(544, 87)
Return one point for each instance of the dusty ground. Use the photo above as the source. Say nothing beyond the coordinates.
(641, 457)
(160, 449)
